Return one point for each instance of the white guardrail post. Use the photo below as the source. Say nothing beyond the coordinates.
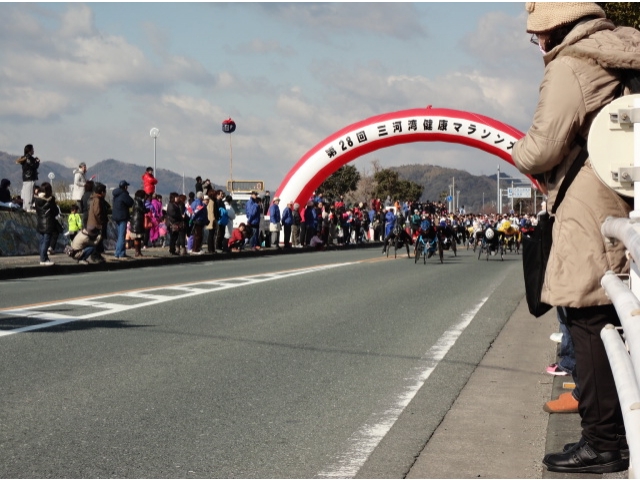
(625, 360)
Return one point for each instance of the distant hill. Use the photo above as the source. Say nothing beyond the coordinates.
(109, 172)
(437, 179)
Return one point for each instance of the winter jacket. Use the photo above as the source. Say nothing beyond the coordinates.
(211, 215)
(253, 212)
(175, 214)
(30, 166)
(5, 194)
(122, 202)
(287, 216)
(79, 181)
(137, 216)
(199, 212)
(46, 211)
(97, 216)
(75, 222)
(149, 183)
(274, 214)
(310, 217)
(579, 80)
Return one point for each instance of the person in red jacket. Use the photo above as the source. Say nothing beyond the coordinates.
(149, 182)
(236, 242)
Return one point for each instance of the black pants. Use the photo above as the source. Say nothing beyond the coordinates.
(287, 235)
(599, 406)
(220, 230)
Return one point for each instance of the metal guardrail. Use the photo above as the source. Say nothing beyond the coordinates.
(625, 359)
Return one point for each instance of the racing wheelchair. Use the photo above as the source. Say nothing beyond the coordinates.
(492, 243)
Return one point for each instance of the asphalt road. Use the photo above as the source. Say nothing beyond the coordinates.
(331, 364)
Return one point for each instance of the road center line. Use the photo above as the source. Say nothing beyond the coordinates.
(364, 441)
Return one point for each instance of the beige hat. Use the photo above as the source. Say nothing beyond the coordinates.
(544, 17)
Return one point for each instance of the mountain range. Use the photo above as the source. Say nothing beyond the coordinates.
(110, 172)
(435, 179)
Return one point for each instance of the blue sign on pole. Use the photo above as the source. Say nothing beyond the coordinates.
(449, 198)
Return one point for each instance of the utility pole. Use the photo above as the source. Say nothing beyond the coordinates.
(499, 204)
(453, 193)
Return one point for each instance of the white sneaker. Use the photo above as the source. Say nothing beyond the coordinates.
(556, 337)
(48, 263)
(83, 262)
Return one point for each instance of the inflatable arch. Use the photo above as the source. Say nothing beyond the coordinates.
(406, 126)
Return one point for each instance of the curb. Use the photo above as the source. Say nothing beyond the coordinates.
(29, 271)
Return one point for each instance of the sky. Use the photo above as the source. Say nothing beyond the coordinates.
(85, 82)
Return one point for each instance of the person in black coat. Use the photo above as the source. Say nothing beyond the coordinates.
(137, 221)
(46, 211)
(85, 202)
(30, 165)
(122, 202)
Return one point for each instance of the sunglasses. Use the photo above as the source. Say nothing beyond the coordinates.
(534, 40)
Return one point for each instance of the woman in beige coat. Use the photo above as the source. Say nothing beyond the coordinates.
(581, 50)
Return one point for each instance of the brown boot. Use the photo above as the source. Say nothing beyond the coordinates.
(137, 246)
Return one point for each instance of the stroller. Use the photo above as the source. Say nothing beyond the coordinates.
(491, 244)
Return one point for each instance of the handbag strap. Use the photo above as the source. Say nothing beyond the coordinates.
(572, 173)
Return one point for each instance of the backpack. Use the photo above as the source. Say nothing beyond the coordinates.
(224, 217)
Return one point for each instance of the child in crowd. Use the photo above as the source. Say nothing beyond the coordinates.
(75, 222)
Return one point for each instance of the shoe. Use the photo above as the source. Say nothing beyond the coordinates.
(174, 253)
(583, 458)
(565, 403)
(556, 337)
(48, 263)
(49, 250)
(83, 262)
(554, 369)
(624, 447)
(122, 259)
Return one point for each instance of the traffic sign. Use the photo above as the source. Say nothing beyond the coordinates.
(519, 192)
(449, 198)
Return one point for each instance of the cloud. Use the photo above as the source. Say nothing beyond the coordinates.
(399, 20)
(72, 63)
(263, 47)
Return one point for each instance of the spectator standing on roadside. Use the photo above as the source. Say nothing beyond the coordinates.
(5, 195)
(137, 221)
(175, 223)
(581, 52)
(97, 217)
(199, 184)
(274, 222)
(122, 202)
(287, 224)
(46, 208)
(221, 219)
(212, 221)
(85, 203)
(79, 181)
(310, 222)
(295, 226)
(199, 220)
(149, 182)
(253, 219)
(30, 165)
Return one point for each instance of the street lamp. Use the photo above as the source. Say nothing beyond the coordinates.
(154, 134)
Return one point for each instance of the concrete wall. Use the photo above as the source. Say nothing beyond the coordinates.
(18, 235)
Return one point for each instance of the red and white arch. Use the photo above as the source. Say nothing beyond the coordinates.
(382, 131)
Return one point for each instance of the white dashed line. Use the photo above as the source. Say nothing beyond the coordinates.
(104, 307)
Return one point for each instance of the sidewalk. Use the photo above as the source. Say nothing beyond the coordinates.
(26, 266)
(496, 428)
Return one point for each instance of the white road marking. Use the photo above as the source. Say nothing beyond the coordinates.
(103, 307)
(364, 441)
